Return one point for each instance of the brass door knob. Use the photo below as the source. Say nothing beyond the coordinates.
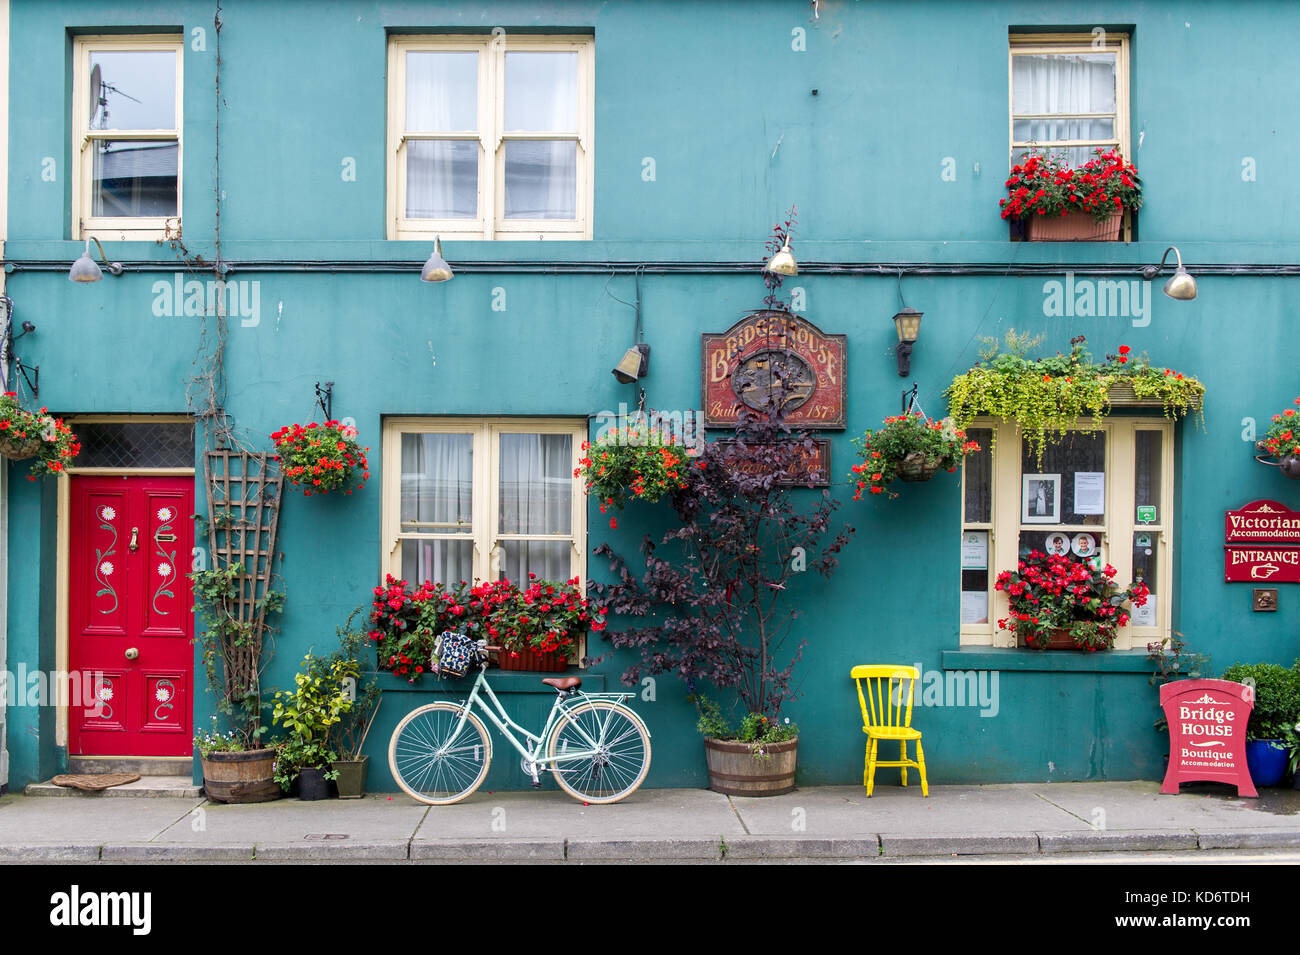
(132, 653)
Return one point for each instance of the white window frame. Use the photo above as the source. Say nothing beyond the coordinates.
(1030, 43)
(119, 228)
(486, 512)
(1115, 545)
(491, 137)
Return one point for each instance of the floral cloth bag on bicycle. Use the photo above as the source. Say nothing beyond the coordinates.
(453, 654)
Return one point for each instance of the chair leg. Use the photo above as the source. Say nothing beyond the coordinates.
(920, 765)
(866, 761)
(902, 756)
(871, 766)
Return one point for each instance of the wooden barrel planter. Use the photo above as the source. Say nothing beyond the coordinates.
(241, 777)
(735, 771)
(532, 661)
(1073, 227)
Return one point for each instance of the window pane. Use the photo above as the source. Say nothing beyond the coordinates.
(549, 560)
(1145, 556)
(536, 490)
(437, 484)
(442, 179)
(135, 444)
(1146, 476)
(1049, 130)
(1075, 463)
(134, 178)
(441, 92)
(1063, 83)
(542, 92)
(979, 478)
(137, 89)
(438, 561)
(541, 179)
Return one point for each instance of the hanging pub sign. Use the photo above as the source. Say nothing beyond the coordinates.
(809, 469)
(771, 351)
(1262, 543)
(1207, 733)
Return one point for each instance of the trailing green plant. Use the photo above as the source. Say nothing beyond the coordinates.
(908, 443)
(1048, 396)
(1277, 697)
(231, 647)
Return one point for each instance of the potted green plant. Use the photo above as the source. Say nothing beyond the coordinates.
(1060, 603)
(732, 753)
(27, 434)
(1282, 441)
(1059, 203)
(631, 462)
(1049, 396)
(242, 769)
(1173, 660)
(354, 724)
(322, 458)
(324, 691)
(1276, 709)
(909, 447)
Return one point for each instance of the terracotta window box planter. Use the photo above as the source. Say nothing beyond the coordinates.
(532, 661)
(1074, 227)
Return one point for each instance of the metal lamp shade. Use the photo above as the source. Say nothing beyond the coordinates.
(908, 324)
(783, 262)
(634, 364)
(1181, 285)
(436, 269)
(85, 269)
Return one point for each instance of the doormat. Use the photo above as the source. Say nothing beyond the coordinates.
(96, 781)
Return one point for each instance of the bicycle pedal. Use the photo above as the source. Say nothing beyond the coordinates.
(537, 784)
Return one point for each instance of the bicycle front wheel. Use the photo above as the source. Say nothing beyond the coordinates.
(434, 763)
(616, 752)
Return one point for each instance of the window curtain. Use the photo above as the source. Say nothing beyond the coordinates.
(441, 175)
(437, 486)
(535, 497)
(1064, 83)
(541, 95)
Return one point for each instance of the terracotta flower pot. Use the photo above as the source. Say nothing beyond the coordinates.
(1074, 226)
(1055, 639)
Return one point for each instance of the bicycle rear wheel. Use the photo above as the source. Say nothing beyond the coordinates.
(621, 756)
(432, 762)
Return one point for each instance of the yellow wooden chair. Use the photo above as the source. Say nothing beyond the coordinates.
(886, 716)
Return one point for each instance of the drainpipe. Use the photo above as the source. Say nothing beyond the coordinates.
(4, 467)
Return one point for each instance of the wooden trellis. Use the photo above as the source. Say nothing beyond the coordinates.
(244, 492)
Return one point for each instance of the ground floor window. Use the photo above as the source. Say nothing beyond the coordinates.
(483, 499)
(1105, 495)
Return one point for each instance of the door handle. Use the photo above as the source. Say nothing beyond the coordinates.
(132, 653)
(135, 539)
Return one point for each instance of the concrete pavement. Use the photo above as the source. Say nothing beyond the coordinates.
(839, 823)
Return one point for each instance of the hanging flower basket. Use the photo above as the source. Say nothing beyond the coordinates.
(322, 458)
(910, 447)
(27, 434)
(1282, 441)
(632, 462)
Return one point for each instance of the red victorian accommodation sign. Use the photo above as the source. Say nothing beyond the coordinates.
(1207, 733)
(1262, 543)
(769, 350)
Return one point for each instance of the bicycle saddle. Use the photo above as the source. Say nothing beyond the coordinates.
(563, 683)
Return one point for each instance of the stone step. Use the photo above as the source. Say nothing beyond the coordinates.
(144, 765)
(145, 787)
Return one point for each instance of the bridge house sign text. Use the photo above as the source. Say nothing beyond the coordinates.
(769, 351)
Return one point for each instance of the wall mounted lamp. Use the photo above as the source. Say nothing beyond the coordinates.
(783, 262)
(85, 269)
(436, 269)
(636, 360)
(1180, 285)
(908, 325)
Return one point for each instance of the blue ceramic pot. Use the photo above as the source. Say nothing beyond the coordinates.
(1266, 759)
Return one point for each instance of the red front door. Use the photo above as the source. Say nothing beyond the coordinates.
(130, 616)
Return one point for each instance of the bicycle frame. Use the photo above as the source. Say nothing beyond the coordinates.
(481, 694)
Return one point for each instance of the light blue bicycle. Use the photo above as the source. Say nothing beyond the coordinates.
(597, 748)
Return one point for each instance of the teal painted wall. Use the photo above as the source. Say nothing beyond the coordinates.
(715, 94)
